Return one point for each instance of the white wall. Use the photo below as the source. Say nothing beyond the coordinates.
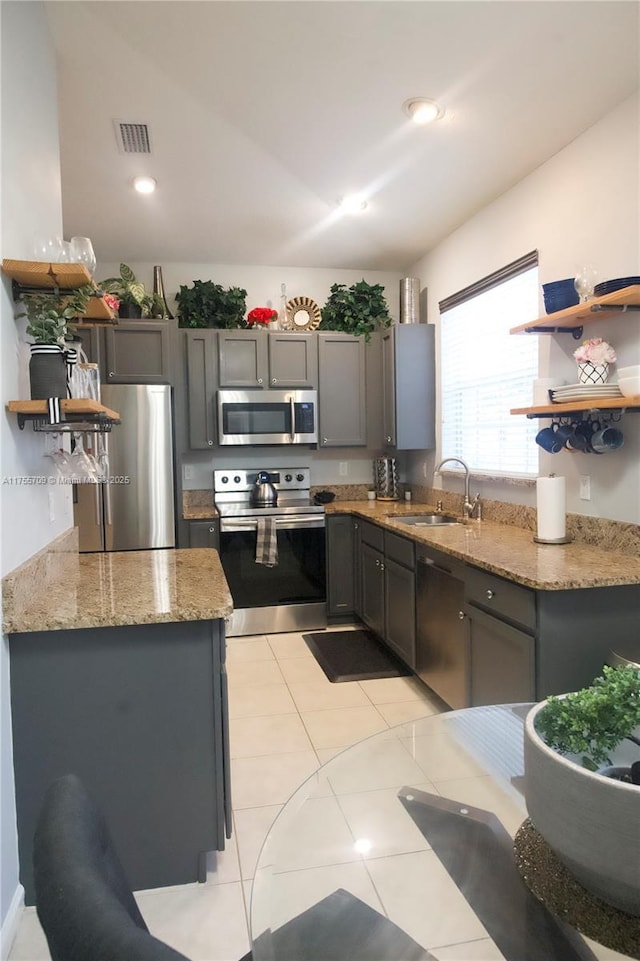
(31, 207)
(582, 206)
(263, 285)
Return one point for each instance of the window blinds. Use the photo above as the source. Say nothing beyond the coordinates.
(485, 371)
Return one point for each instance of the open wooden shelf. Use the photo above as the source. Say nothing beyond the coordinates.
(80, 413)
(28, 275)
(558, 410)
(574, 318)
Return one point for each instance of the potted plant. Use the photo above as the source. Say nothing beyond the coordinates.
(359, 309)
(133, 297)
(593, 358)
(590, 818)
(47, 319)
(261, 317)
(206, 304)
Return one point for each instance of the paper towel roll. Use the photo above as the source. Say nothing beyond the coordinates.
(551, 504)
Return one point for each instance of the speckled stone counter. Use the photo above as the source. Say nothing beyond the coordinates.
(62, 590)
(505, 550)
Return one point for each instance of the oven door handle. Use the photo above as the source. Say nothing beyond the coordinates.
(290, 522)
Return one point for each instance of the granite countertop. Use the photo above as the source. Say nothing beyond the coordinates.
(507, 551)
(66, 590)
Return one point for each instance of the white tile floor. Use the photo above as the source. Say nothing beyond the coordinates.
(286, 720)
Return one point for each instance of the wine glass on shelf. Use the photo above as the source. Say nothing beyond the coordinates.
(82, 253)
(47, 249)
(585, 281)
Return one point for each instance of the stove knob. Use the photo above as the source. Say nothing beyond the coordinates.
(288, 478)
(224, 480)
(237, 479)
(299, 477)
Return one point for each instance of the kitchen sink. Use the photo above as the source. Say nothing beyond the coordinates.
(427, 520)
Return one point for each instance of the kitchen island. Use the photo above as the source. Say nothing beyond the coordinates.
(118, 675)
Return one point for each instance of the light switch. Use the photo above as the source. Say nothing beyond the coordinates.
(585, 487)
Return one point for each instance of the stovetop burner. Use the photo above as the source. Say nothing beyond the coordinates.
(232, 492)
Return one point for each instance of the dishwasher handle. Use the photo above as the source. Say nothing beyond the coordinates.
(436, 567)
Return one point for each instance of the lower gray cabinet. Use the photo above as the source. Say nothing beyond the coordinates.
(139, 713)
(341, 574)
(204, 534)
(502, 662)
(372, 588)
(400, 610)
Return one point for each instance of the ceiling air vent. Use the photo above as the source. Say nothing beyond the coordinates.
(132, 137)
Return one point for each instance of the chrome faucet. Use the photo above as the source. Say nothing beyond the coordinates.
(469, 506)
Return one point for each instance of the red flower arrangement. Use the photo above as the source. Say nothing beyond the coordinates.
(261, 315)
(111, 301)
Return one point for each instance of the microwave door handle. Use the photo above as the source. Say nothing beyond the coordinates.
(293, 417)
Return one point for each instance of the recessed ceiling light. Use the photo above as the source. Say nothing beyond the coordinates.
(353, 204)
(422, 111)
(145, 185)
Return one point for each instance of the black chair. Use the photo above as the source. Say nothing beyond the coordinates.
(88, 912)
(84, 903)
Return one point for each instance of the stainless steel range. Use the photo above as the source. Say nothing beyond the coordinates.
(291, 595)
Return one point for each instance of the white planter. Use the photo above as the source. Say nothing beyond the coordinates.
(591, 822)
(589, 373)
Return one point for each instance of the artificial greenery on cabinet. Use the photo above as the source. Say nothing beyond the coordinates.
(206, 304)
(358, 309)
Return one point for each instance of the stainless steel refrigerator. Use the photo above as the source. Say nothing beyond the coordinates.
(135, 510)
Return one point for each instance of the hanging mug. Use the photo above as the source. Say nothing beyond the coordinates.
(606, 438)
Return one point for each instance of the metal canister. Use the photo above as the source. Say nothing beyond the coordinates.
(410, 300)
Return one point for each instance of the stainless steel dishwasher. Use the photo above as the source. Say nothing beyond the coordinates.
(442, 639)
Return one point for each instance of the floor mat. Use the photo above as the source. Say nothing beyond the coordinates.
(354, 656)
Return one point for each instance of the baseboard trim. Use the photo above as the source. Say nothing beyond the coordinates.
(11, 921)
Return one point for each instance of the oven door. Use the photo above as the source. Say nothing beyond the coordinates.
(267, 417)
(299, 576)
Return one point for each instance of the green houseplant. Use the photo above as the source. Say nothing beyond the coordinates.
(590, 820)
(48, 316)
(206, 304)
(133, 297)
(358, 309)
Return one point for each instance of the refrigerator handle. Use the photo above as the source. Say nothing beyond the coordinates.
(97, 506)
(107, 503)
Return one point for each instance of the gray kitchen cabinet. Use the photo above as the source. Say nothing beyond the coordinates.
(372, 596)
(260, 359)
(340, 532)
(132, 352)
(341, 394)
(293, 360)
(408, 386)
(140, 714)
(400, 597)
(205, 533)
(200, 351)
(503, 627)
(442, 643)
(387, 578)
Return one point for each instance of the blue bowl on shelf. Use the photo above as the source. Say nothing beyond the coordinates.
(560, 294)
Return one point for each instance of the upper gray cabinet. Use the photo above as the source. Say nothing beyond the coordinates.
(200, 348)
(341, 395)
(261, 359)
(133, 352)
(408, 386)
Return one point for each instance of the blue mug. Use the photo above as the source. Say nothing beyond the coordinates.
(549, 440)
(606, 439)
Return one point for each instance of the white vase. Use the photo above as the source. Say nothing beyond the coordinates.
(591, 822)
(589, 373)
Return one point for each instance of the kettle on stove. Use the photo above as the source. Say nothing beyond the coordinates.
(263, 493)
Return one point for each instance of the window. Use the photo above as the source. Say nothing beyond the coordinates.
(485, 371)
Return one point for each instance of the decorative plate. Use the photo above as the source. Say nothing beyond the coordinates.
(303, 314)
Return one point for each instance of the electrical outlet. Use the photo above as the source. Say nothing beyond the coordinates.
(585, 487)
(52, 507)
(343, 468)
(424, 468)
(187, 472)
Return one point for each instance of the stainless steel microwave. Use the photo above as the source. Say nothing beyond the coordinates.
(267, 417)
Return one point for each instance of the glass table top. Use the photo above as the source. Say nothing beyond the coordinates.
(401, 848)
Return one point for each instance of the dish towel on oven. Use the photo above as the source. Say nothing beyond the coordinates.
(266, 541)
